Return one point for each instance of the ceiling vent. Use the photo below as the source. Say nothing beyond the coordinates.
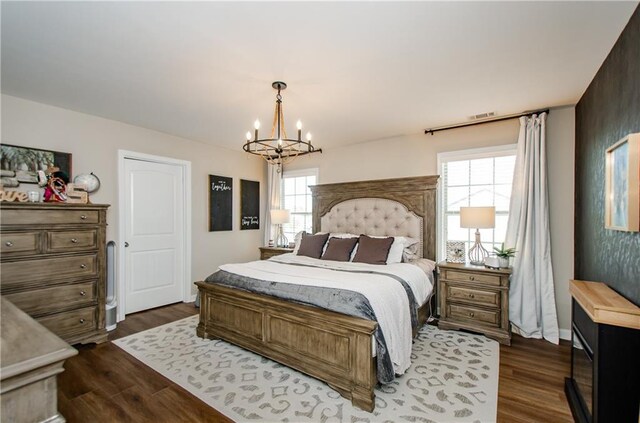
(482, 116)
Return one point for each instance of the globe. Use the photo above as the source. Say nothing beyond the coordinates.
(89, 180)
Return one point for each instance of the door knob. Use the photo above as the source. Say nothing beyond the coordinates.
(126, 244)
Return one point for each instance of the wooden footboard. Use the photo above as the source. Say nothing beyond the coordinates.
(329, 346)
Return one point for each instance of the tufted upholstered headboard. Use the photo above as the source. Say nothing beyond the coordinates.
(393, 207)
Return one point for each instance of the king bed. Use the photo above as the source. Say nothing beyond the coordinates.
(293, 326)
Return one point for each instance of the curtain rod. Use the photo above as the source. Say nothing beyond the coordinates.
(498, 119)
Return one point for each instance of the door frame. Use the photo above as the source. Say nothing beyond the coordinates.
(186, 197)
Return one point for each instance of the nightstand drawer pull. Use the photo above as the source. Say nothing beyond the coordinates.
(471, 296)
(74, 240)
(83, 293)
(81, 321)
(83, 217)
(471, 314)
(83, 266)
(9, 244)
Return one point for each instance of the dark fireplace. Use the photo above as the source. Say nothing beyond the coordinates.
(604, 385)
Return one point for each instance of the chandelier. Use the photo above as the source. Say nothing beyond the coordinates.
(278, 149)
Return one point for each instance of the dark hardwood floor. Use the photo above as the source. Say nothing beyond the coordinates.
(105, 384)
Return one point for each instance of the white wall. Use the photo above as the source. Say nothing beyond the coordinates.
(94, 142)
(416, 155)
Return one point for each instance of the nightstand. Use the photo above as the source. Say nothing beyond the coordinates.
(475, 298)
(268, 252)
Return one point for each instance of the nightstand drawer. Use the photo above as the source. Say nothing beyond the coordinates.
(472, 295)
(454, 275)
(461, 312)
(268, 252)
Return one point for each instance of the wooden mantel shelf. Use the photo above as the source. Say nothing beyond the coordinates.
(604, 305)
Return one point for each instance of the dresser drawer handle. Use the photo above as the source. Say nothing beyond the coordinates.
(471, 314)
(83, 293)
(83, 217)
(81, 321)
(74, 241)
(472, 296)
(472, 278)
(9, 244)
(83, 266)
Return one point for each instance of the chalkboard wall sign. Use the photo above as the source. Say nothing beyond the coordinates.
(220, 203)
(249, 204)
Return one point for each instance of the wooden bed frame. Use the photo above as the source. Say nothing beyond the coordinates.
(329, 346)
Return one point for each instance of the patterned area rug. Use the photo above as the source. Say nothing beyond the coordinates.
(453, 378)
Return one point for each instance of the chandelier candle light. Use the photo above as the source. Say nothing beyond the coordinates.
(278, 218)
(278, 149)
(478, 218)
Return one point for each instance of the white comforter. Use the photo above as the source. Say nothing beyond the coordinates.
(387, 297)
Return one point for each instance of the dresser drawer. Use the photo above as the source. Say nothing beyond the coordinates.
(16, 273)
(461, 312)
(20, 243)
(48, 300)
(70, 322)
(61, 241)
(473, 295)
(49, 217)
(454, 275)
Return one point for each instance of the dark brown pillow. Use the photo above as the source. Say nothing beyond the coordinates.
(312, 245)
(339, 249)
(373, 250)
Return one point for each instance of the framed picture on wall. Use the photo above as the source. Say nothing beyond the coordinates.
(622, 182)
(456, 252)
(21, 164)
(249, 204)
(220, 203)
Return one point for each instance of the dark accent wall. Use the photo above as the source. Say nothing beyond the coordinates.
(608, 110)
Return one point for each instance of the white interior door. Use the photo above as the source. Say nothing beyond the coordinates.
(154, 234)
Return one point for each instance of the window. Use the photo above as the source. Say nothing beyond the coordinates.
(296, 197)
(475, 178)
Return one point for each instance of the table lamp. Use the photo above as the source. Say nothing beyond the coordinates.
(278, 218)
(479, 218)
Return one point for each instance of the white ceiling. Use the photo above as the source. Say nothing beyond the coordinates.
(356, 71)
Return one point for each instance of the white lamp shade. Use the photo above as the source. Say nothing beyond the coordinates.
(478, 217)
(278, 216)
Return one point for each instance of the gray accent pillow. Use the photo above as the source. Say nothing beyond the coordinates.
(339, 249)
(312, 245)
(373, 250)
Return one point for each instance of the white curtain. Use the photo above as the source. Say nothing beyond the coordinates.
(274, 178)
(532, 304)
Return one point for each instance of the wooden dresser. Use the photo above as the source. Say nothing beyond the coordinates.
(52, 266)
(475, 298)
